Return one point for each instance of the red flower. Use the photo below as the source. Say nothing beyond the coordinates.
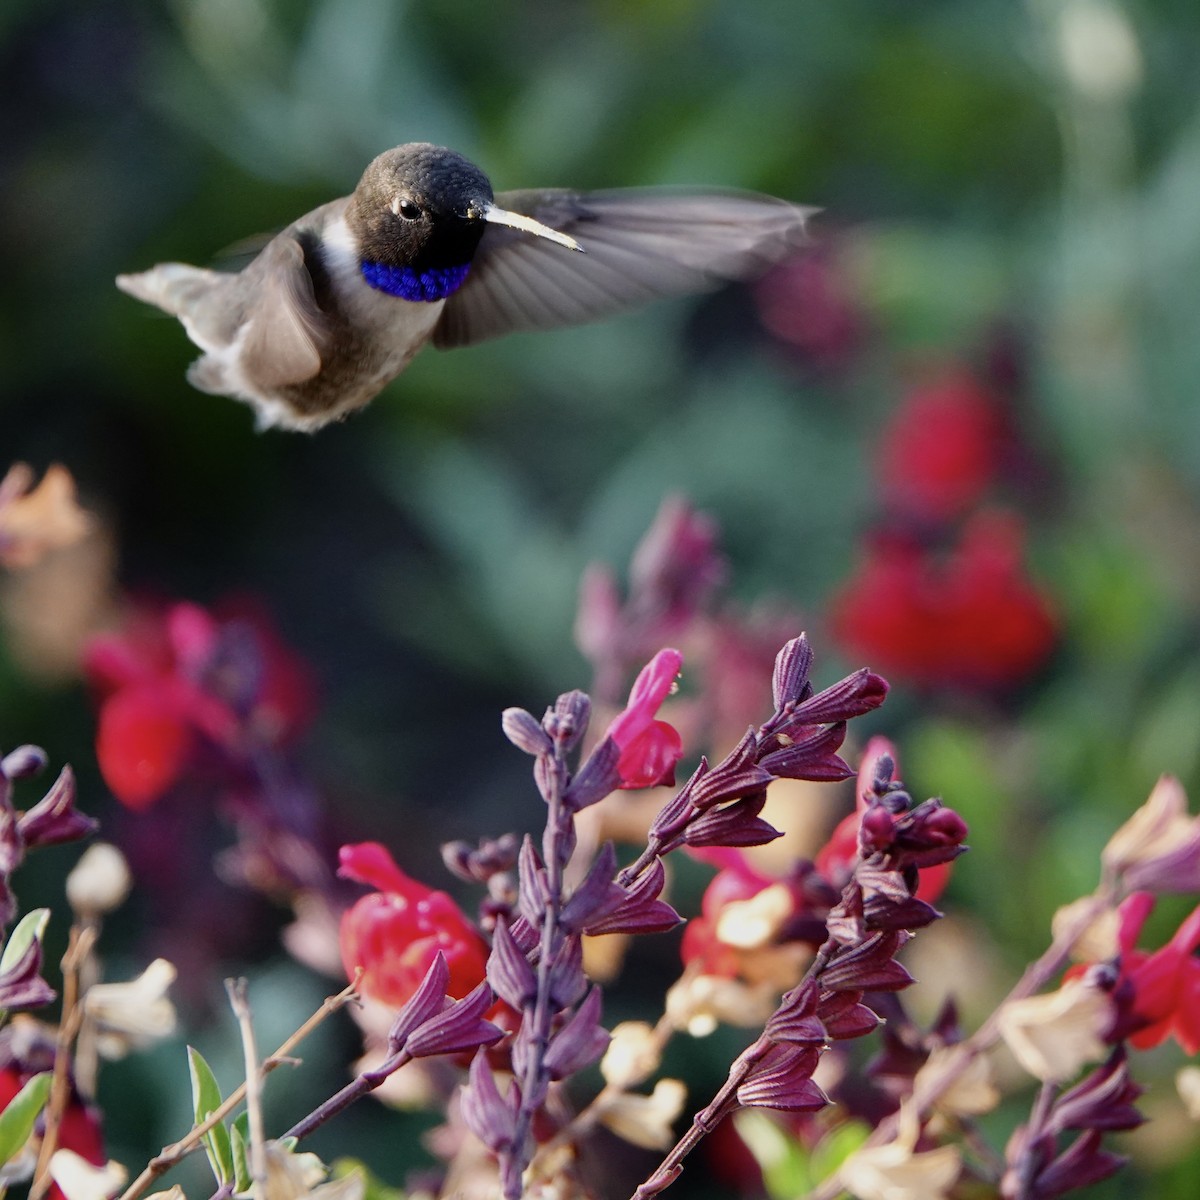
(941, 449)
(172, 679)
(1165, 984)
(142, 743)
(971, 618)
(78, 1129)
(649, 748)
(395, 933)
(701, 947)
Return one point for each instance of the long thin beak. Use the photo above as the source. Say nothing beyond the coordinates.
(501, 216)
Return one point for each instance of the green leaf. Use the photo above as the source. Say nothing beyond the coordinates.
(239, 1138)
(30, 927)
(206, 1099)
(376, 1189)
(835, 1147)
(783, 1161)
(16, 1121)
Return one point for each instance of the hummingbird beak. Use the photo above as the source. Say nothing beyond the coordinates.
(501, 216)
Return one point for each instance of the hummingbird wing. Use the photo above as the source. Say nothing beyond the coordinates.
(288, 333)
(638, 246)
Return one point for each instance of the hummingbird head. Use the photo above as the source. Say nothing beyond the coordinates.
(419, 212)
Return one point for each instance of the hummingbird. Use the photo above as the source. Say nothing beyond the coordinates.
(336, 306)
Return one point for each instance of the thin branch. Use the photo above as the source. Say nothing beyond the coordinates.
(79, 947)
(358, 1087)
(171, 1155)
(239, 1001)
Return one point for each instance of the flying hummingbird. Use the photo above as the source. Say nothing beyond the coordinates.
(336, 305)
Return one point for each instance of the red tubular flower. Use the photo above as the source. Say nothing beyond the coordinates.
(941, 450)
(174, 678)
(395, 933)
(649, 748)
(1165, 984)
(972, 619)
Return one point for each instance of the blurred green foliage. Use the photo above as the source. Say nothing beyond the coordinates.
(987, 164)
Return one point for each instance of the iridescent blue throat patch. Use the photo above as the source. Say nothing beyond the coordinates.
(436, 283)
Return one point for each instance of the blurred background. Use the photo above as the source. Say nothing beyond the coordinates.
(956, 439)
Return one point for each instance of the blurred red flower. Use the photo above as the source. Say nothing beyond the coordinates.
(942, 449)
(174, 678)
(1165, 984)
(649, 748)
(970, 617)
(78, 1129)
(395, 933)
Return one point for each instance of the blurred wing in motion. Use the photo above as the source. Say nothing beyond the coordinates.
(638, 246)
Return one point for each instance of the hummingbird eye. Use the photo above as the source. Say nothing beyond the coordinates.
(406, 209)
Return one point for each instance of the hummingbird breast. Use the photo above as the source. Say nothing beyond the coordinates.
(373, 335)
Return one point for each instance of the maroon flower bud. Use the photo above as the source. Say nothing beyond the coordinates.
(1081, 1165)
(782, 1079)
(862, 692)
(790, 685)
(599, 776)
(494, 856)
(845, 1016)
(796, 1019)
(877, 831)
(489, 1116)
(640, 911)
(21, 984)
(1104, 1100)
(944, 826)
(508, 970)
(460, 1026)
(811, 756)
(55, 819)
(868, 967)
(580, 1042)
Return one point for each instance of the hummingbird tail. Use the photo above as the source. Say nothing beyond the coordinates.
(173, 287)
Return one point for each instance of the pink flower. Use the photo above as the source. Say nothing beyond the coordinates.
(395, 933)
(809, 301)
(673, 575)
(649, 748)
(1165, 984)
